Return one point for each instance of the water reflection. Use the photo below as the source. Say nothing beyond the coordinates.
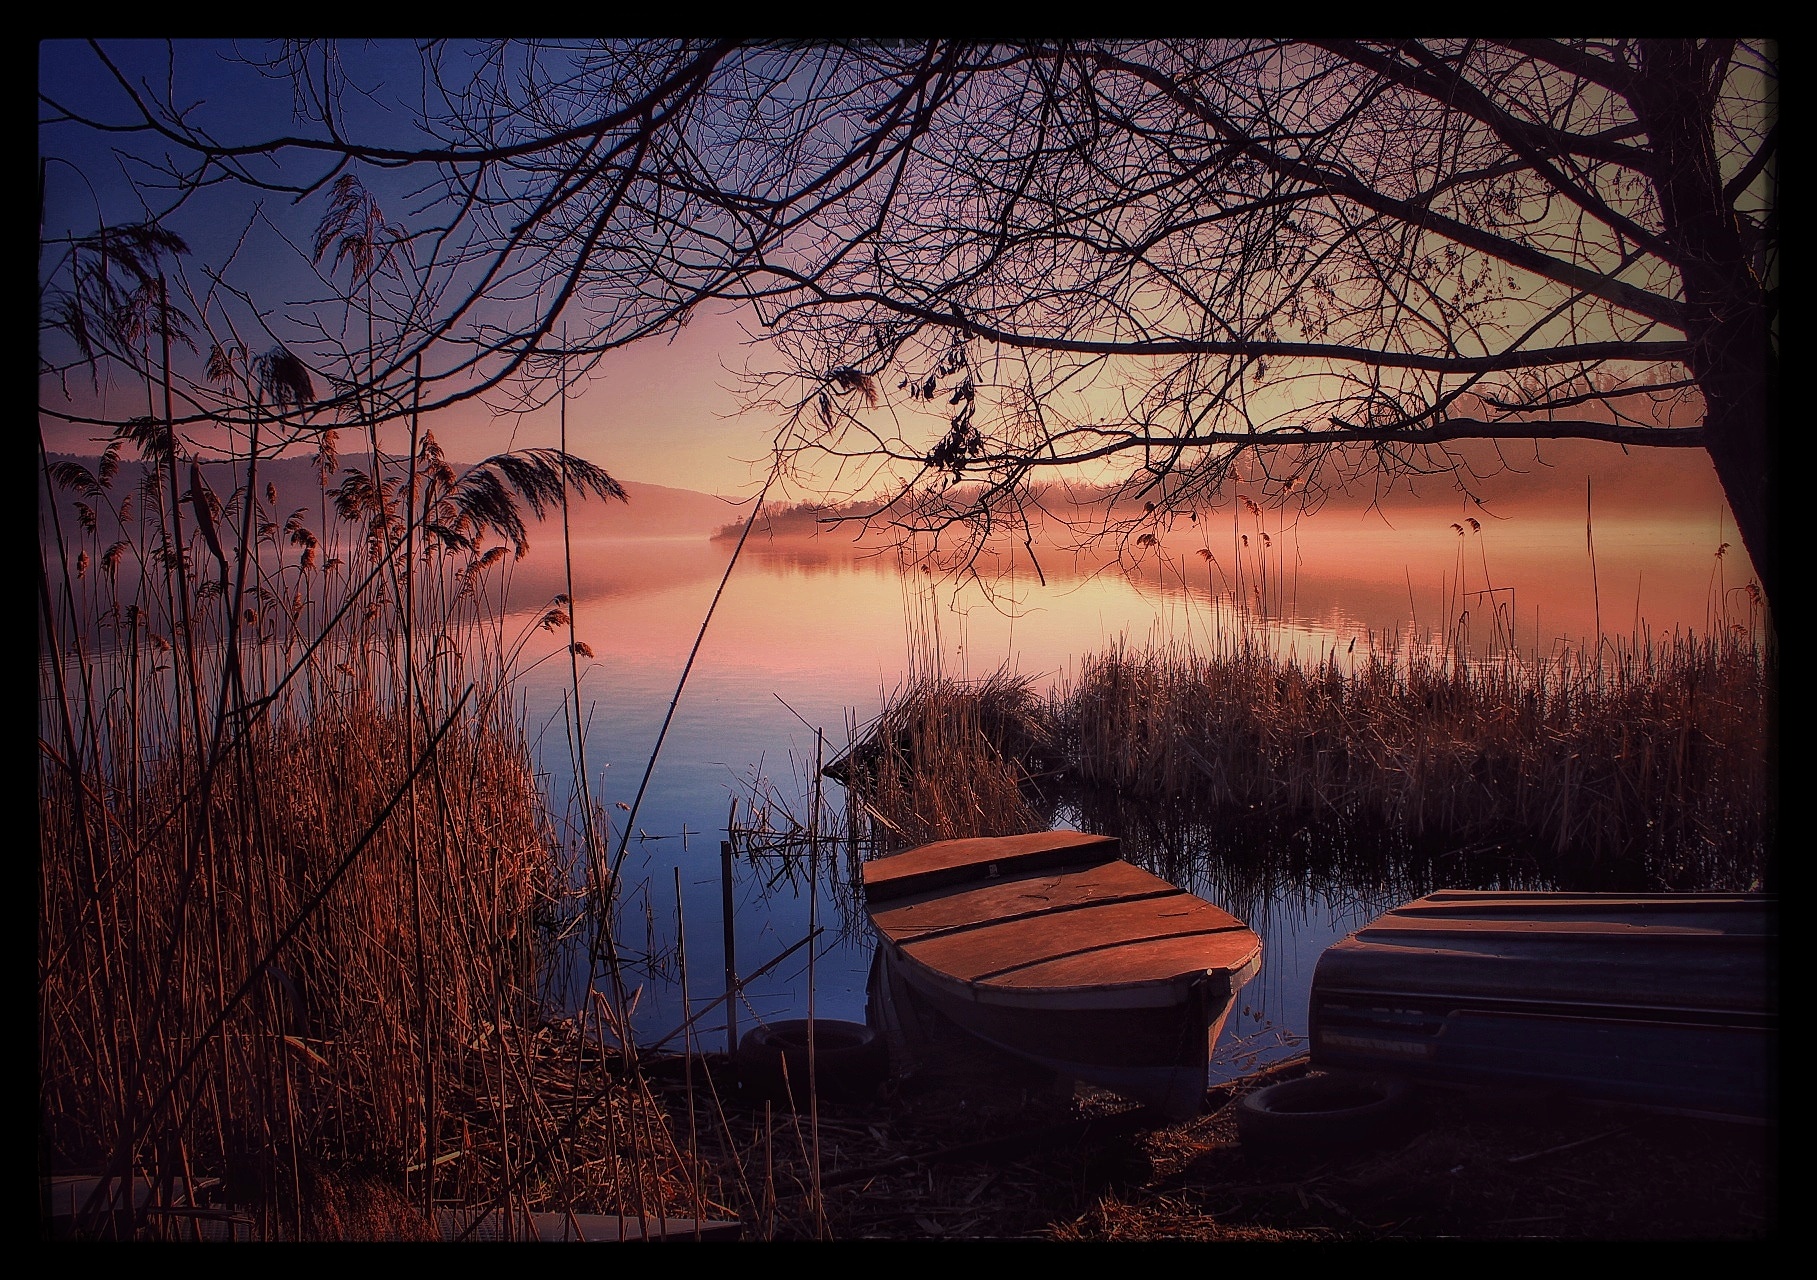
(810, 637)
(1300, 888)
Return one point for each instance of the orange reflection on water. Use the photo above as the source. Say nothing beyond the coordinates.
(1338, 582)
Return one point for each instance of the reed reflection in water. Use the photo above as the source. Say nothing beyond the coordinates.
(811, 636)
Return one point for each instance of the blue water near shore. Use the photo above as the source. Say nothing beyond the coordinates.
(792, 648)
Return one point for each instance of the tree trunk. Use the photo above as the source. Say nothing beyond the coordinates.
(1732, 354)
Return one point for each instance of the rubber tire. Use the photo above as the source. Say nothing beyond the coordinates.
(851, 1061)
(1323, 1114)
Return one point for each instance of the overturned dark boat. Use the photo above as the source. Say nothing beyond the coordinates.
(1667, 1001)
(1051, 947)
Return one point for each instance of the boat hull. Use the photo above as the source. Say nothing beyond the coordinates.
(1052, 949)
(1159, 1056)
(1666, 1001)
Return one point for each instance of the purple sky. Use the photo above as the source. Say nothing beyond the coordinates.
(660, 412)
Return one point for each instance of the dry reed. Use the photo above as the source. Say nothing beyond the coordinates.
(949, 758)
(1649, 767)
(299, 887)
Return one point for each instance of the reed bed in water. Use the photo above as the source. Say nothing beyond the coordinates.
(949, 758)
(1647, 768)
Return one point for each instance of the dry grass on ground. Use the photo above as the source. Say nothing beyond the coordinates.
(989, 1151)
(996, 1155)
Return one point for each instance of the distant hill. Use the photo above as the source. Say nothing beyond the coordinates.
(650, 510)
(1552, 477)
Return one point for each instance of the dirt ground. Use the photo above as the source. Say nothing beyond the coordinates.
(992, 1155)
(975, 1147)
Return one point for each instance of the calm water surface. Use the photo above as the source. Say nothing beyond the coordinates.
(808, 639)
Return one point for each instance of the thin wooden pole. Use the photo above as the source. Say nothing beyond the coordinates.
(726, 923)
(813, 929)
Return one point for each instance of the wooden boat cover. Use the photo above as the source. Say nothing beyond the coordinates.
(950, 862)
(1052, 910)
(1685, 951)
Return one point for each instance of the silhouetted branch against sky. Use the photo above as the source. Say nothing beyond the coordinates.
(1158, 264)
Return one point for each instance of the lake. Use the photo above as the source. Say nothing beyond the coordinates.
(812, 635)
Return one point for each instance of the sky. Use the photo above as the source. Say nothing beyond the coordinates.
(660, 411)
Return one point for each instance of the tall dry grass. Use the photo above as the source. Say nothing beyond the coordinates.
(949, 758)
(299, 887)
(1649, 767)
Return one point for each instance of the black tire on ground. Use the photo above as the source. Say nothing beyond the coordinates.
(1322, 1114)
(851, 1060)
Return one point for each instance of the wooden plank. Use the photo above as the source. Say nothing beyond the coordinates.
(1222, 952)
(976, 953)
(1735, 914)
(1010, 898)
(948, 862)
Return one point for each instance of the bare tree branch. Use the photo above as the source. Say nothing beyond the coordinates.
(980, 263)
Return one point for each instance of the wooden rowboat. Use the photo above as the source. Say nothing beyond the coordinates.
(1051, 947)
(1668, 1001)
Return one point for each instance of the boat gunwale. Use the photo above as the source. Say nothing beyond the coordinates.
(1663, 935)
(1565, 899)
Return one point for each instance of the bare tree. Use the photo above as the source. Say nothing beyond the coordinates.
(1330, 259)
(1144, 263)
(579, 197)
